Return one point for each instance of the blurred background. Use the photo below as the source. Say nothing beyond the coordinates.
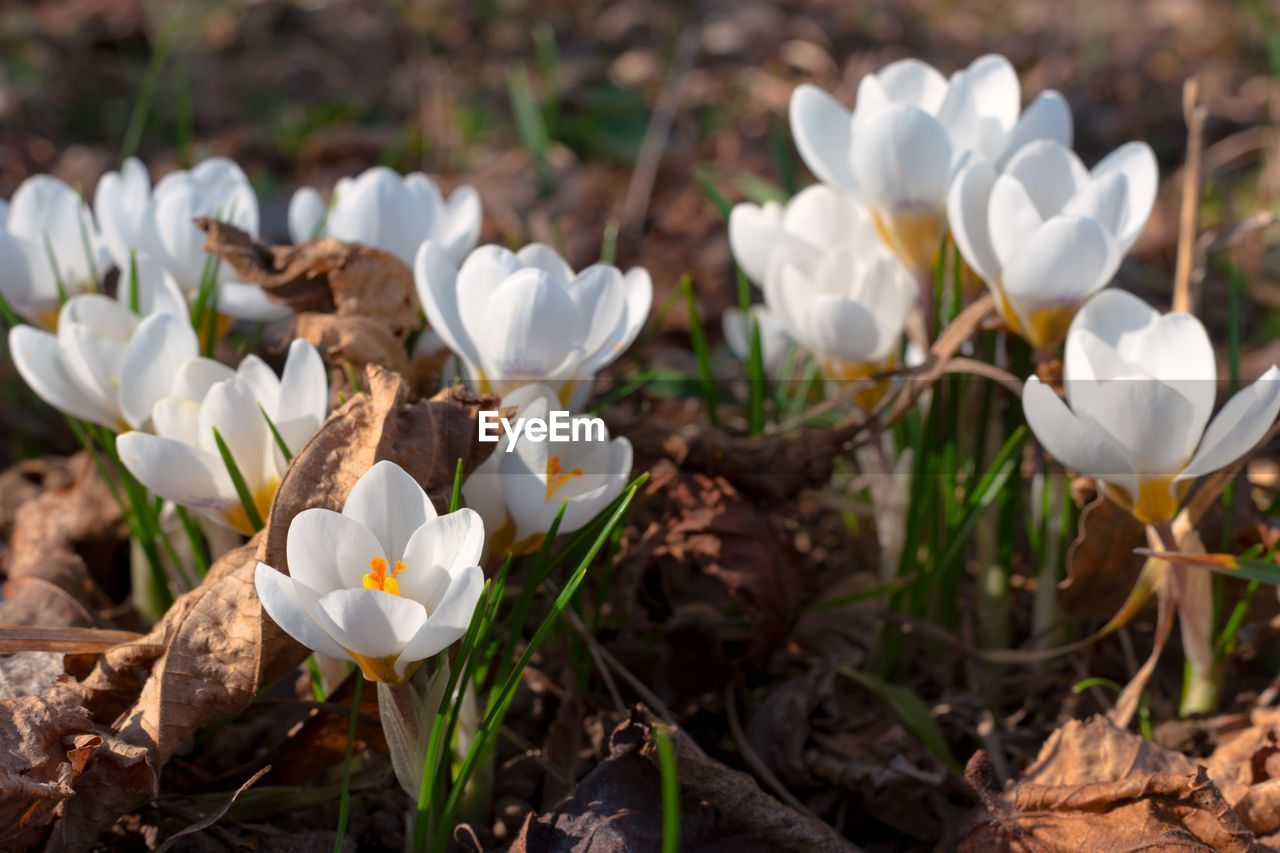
(572, 118)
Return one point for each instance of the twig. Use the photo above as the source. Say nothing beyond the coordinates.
(208, 821)
(753, 759)
(1191, 178)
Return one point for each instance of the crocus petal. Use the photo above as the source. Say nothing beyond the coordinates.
(161, 343)
(436, 551)
(327, 550)
(482, 491)
(1147, 419)
(532, 326)
(437, 282)
(1048, 117)
(448, 622)
(193, 379)
(463, 218)
(1050, 173)
(910, 81)
(279, 598)
(120, 207)
(304, 389)
(1065, 259)
(821, 127)
(306, 210)
(1241, 424)
(377, 210)
(158, 292)
(1137, 162)
(600, 294)
(370, 622)
(540, 256)
(177, 418)
(232, 409)
(391, 504)
(1076, 443)
(1103, 199)
(175, 471)
(481, 274)
(967, 205)
(902, 158)
(841, 328)
(754, 233)
(52, 217)
(245, 301)
(996, 90)
(35, 354)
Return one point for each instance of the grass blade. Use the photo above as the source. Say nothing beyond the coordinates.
(237, 479)
(700, 349)
(913, 713)
(670, 790)
(344, 803)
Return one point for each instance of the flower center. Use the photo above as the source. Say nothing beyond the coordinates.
(377, 577)
(557, 476)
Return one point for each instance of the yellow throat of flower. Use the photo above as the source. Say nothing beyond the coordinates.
(1046, 325)
(1157, 500)
(262, 498)
(377, 577)
(557, 476)
(912, 233)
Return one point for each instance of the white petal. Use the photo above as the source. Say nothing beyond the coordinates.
(540, 256)
(35, 354)
(437, 551)
(160, 345)
(902, 158)
(910, 81)
(1011, 218)
(1048, 117)
(967, 205)
(158, 292)
(193, 379)
(437, 283)
(754, 233)
(377, 210)
(53, 217)
(481, 274)
(391, 504)
(482, 492)
(821, 127)
(449, 622)
(370, 622)
(1104, 199)
(1050, 173)
(304, 393)
(463, 219)
(178, 419)
(175, 471)
(1063, 260)
(1137, 162)
(1076, 443)
(231, 408)
(787, 291)
(327, 550)
(120, 207)
(1238, 427)
(996, 90)
(244, 301)
(306, 210)
(841, 328)
(600, 293)
(277, 593)
(533, 326)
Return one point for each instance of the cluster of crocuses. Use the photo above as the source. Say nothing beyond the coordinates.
(919, 157)
(205, 436)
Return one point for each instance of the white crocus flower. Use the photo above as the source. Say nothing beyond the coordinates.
(774, 340)
(386, 583)
(106, 364)
(911, 128)
(49, 249)
(182, 463)
(121, 204)
(1140, 389)
(519, 493)
(817, 219)
(1045, 233)
(846, 306)
(380, 208)
(521, 318)
(219, 189)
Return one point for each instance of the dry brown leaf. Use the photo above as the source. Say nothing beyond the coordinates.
(355, 303)
(219, 648)
(1246, 766)
(618, 807)
(703, 523)
(54, 531)
(45, 742)
(1095, 786)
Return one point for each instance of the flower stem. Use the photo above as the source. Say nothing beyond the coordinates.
(1192, 594)
(344, 804)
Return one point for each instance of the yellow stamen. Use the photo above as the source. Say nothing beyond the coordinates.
(1157, 501)
(557, 476)
(377, 577)
(49, 318)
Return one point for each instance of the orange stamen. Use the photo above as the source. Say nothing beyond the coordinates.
(377, 577)
(557, 476)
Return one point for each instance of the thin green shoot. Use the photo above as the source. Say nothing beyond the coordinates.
(237, 479)
(700, 350)
(670, 775)
(344, 803)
